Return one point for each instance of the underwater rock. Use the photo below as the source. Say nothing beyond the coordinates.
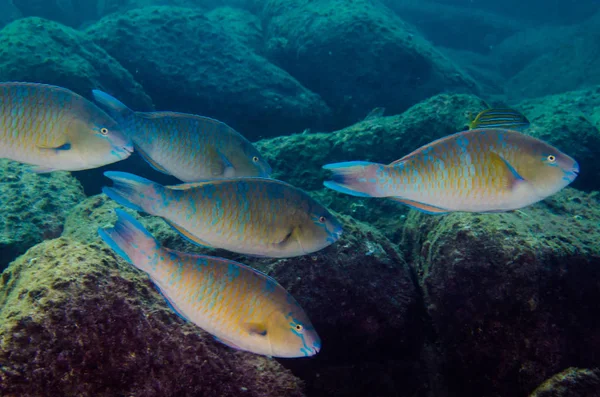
(218, 76)
(572, 382)
(42, 51)
(357, 56)
(571, 63)
(511, 296)
(570, 122)
(358, 294)
(33, 207)
(74, 321)
(241, 24)
(444, 25)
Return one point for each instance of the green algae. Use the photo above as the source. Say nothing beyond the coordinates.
(572, 382)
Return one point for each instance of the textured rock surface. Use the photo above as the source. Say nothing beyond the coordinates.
(241, 24)
(42, 51)
(33, 207)
(364, 54)
(73, 321)
(571, 63)
(512, 296)
(570, 121)
(572, 382)
(219, 76)
(357, 292)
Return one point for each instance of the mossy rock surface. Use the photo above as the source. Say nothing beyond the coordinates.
(219, 76)
(572, 382)
(512, 296)
(33, 207)
(42, 51)
(76, 322)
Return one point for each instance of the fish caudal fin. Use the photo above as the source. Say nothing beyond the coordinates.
(130, 240)
(130, 190)
(357, 178)
(115, 108)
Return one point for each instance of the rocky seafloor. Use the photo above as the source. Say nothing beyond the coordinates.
(407, 304)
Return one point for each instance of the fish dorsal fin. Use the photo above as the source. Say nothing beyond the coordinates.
(178, 115)
(150, 161)
(508, 177)
(190, 185)
(187, 235)
(429, 209)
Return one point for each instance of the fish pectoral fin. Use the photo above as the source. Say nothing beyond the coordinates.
(222, 166)
(255, 328)
(509, 178)
(429, 209)
(149, 160)
(227, 343)
(187, 235)
(61, 147)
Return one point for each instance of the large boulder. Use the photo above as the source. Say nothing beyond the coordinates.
(570, 63)
(241, 24)
(217, 76)
(357, 55)
(572, 382)
(358, 293)
(76, 322)
(42, 51)
(511, 296)
(570, 121)
(33, 207)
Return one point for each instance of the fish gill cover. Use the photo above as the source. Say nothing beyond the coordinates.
(454, 250)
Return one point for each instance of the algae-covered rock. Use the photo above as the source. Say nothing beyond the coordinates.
(572, 382)
(357, 292)
(42, 51)
(217, 76)
(512, 296)
(240, 23)
(570, 122)
(33, 207)
(357, 55)
(75, 322)
(571, 63)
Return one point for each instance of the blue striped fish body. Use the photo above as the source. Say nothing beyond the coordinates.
(240, 306)
(56, 129)
(473, 171)
(254, 216)
(500, 118)
(189, 147)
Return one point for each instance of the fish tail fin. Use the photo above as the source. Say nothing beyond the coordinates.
(132, 191)
(130, 240)
(357, 178)
(115, 108)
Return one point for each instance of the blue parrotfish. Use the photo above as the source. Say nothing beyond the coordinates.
(241, 307)
(53, 128)
(253, 216)
(191, 148)
(484, 170)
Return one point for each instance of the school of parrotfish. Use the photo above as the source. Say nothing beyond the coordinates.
(229, 201)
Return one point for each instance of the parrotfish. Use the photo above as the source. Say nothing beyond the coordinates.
(191, 148)
(253, 216)
(499, 118)
(240, 306)
(485, 170)
(53, 128)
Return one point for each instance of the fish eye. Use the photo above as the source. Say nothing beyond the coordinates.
(255, 159)
(104, 131)
(322, 219)
(551, 158)
(299, 327)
